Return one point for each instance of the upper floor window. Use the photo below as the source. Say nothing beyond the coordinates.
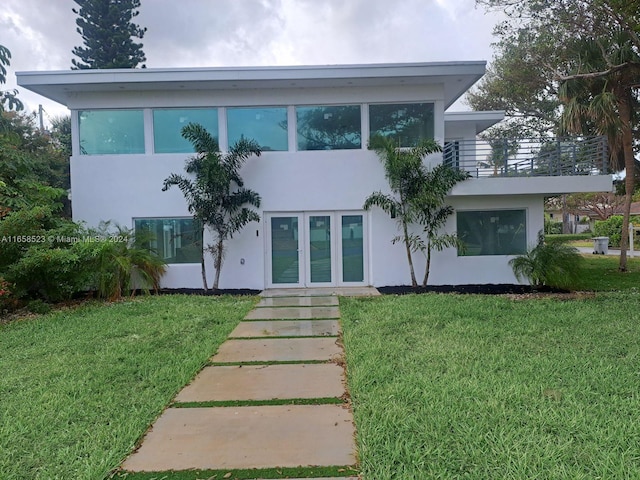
(168, 123)
(329, 127)
(406, 123)
(104, 132)
(267, 126)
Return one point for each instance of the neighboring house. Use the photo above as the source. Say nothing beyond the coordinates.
(313, 123)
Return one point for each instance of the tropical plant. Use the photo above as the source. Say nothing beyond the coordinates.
(417, 196)
(107, 32)
(432, 213)
(215, 192)
(121, 261)
(554, 265)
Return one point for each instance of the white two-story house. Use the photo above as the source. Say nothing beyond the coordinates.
(313, 124)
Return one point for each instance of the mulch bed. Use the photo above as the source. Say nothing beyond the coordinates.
(488, 289)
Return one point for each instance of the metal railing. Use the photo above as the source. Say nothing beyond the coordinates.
(528, 157)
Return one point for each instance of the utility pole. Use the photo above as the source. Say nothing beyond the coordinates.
(41, 115)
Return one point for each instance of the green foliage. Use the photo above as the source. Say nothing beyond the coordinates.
(611, 227)
(551, 264)
(8, 98)
(121, 262)
(215, 192)
(552, 227)
(107, 32)
(6, 295)
(51, 258)
(418, 196)
(33, 170)
(566, 237)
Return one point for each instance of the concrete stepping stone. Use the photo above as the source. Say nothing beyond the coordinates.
(287, 328)
(278, 350)
(265, 382)
(247, 437)
(298, 301)
(320, 291)
(293, 313)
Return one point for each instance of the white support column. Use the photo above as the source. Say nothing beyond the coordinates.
(631, 248)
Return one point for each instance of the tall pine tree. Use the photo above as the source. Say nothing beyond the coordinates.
(107, 32)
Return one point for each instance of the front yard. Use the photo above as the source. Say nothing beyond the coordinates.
(479, 387)
(79, 387)
(443, 386)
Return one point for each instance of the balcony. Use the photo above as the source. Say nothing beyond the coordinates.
(529, 157)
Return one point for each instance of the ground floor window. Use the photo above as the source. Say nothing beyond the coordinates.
(492, 232)
(175, 240)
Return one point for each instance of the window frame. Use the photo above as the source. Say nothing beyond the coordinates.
(157, 249)
(522, 248)
(141, 111)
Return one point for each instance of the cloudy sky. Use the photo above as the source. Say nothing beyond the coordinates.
(200, 33)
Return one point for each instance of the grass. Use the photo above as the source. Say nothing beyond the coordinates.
(600, 273)
(244, 474)
(478, 387)
(80, 387)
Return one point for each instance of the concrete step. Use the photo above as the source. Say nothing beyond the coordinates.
(265, 382)
(287, 328)
(292, 313)
(298, 301)
(247, 437)
(278, 350)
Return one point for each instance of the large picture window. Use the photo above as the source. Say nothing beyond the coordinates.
(106, 132)
(492, 232)
(407, 124)
(168, 124)
(329, 127)
(267, 126)
(175, 240)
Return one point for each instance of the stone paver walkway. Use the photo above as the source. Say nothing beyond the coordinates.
(263, 361)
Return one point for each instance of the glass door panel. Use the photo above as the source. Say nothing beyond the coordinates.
(320, 248)
(352, 248)
(285, 250)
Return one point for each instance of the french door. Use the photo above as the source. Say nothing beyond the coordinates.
(316, 249)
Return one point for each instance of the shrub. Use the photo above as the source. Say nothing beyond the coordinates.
(611, 227)
(121, 263)
(568, 237)
(551, 227)
(7, 299)
(51, 274)
(555, 265)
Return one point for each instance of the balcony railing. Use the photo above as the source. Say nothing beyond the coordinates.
(529, 157)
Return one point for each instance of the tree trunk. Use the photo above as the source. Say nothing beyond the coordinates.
(405, 230)
(218, 262)
(426, 272)
(624, 109)
(566, 219)
(204, 272)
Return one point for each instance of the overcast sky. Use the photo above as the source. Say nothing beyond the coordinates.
(202, 33)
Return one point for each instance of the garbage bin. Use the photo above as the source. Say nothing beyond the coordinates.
(600, 245)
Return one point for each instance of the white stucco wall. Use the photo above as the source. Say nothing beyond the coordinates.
(123, 187)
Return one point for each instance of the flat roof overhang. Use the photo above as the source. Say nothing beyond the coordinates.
(61, 85)
(480, 120)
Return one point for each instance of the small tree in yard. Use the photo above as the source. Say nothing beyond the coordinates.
(433, 213)
(417, 197)
(549, 264)
(215, 192)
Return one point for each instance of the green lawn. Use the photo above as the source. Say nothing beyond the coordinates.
(490, 387)
(79, 388)
(601, 274)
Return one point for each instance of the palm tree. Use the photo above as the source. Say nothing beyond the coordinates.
(417, 196)
(215, 192)
(605, 101)
(433, 213)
